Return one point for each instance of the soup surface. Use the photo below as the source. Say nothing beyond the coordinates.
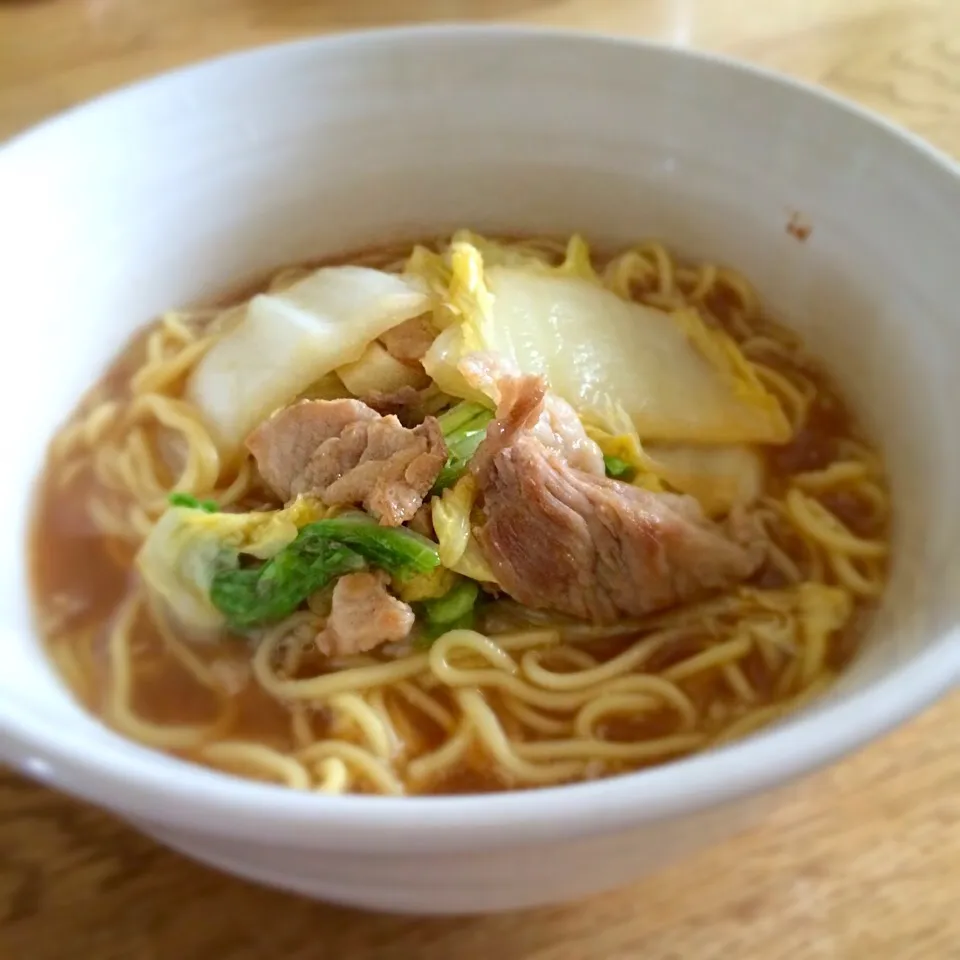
(465, 516)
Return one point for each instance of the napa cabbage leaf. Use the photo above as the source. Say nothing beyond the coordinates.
(719, 476)
(458, 548)
(287, 340)
(677, 379)
(190, 544)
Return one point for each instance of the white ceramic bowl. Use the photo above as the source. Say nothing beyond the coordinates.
(175, 189)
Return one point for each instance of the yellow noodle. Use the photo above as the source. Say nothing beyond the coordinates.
(87, 431)
(200, 671)
(533, 719)
(355, 758)
(238, 488)
(819, 523)
(789, 679)
(301, 729)
(202, 466)
(767, 715)
(626, 271)
(323, 687)
(404, 725)
(68, 665)
(523, 639)
(491, 735)
(574, 656)
(108, 522)
(176, 328)
(557, 750)
(736, 324)
(849, 448)
(629, 660)
(136, 463)
(796, 402)
(706, 278)
(663, 263)
(742, 289)
(862, 583)
(120, 711)
(333, 776)
(738, 683)
(606, 704)
(69, 472)
(427, 705)
(459, 641)
(261, 760)
(838, 474)
(774, 641)
(876, 498)
(445, 759)
(503, 678)
(716, 656)
(668, 302)
(783, 563)
(105, 466)
(370, 724)
(772, 515)
(377, 702)
(159, 375)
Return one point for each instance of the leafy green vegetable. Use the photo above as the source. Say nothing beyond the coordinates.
(414, 587)
(459, 416)
(617, 468)
(453, 611)
(192, 542)
(254, 596)
(188, 500)
(453, 605)
(395, 549)
(322, 551)
(464, 426)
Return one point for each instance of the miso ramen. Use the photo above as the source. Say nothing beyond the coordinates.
(473, 515)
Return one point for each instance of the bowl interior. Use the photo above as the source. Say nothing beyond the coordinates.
(176, 190)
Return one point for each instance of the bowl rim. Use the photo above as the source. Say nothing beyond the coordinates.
(143, 782)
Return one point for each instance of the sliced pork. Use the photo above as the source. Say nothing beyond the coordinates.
(557, 427)
(345, 453)
(409, 340)
(564, 539)
(363, 616)
(406, 404)
(284, 444)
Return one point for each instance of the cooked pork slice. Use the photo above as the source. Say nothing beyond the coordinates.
(345, 453)
(284, 444)
(363, 615)
(558, 427)
(399, 403)
(409, 340)
(563, 539)
(383, 465)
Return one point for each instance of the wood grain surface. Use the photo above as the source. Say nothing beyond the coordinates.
(861, 861)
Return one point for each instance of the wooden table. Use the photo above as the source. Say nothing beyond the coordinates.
(862, 862)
